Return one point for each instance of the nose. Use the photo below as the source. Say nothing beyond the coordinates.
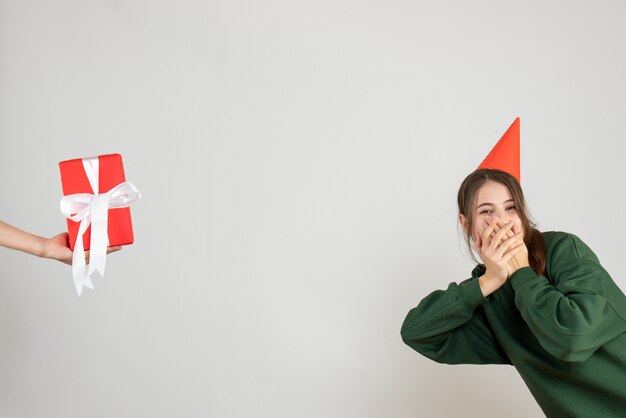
(503, 215)
(506, 216)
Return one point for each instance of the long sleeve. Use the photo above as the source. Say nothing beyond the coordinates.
(579, 309)
(450, 327)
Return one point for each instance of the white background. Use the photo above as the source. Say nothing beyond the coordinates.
(299, 162)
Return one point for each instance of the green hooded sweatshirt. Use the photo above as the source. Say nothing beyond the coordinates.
(564, 331)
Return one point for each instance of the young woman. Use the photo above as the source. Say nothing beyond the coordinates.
(539, 301)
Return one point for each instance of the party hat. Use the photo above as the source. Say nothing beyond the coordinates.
(505, 155)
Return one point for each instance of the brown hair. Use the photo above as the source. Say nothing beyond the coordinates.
(466, 199)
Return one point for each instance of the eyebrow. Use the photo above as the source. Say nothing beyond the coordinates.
(491, 204)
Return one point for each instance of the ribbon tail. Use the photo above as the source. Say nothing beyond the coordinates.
(99, 234)
(79, 267)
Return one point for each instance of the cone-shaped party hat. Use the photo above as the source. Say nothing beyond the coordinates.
(505, 155)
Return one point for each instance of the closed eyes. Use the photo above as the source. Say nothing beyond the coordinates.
(489, 211)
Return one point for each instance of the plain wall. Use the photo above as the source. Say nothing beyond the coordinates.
(299, 163)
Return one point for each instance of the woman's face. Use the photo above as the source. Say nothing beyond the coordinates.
(493, 200)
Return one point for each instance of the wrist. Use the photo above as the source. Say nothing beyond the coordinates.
(488, 284)
(516, 266)
(41, 247)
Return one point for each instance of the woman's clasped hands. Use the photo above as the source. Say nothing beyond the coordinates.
(502, 250)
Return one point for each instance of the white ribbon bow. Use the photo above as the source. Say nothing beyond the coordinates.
(93, 209)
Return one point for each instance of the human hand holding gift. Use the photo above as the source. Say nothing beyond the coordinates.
(96, 203)
(58, 248)
(55, 248)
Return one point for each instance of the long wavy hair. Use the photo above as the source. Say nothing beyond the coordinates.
(466, 199)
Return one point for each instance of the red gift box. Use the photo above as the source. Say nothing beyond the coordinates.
(111, 173)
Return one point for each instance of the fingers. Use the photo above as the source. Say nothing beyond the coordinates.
(113, 249)
(500, 225)
(512, 253)
(509, 244)
(486, 236)
(109, 250)
(497, 239)
(512, 231)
